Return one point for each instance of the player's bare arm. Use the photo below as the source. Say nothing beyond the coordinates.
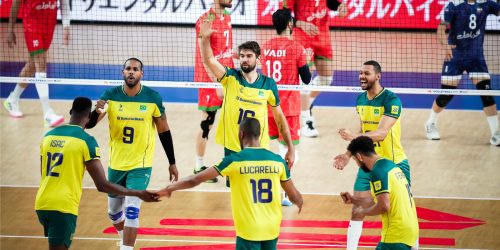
(66, 19)
(309, 28)
(293, 194)
(97, 115)
(443, 40)
(207, 53)
(167, 143)
(384, 126)
(189, 182)
(340, 161)
(14, 10)
(282, 125)
(94, 167)
(382, 205)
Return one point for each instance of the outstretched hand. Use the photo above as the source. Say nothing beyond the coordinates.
(206, 27)
(164, 192)
(148, 196)
(346, 197)
(340, 161)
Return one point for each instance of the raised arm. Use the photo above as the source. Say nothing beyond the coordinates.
(207, 54)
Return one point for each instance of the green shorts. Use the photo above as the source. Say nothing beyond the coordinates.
(392, 246)
(242, 244)
(362, 182)
(134, 179)
(59, 227)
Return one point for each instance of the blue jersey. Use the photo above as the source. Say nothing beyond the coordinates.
(467, 24)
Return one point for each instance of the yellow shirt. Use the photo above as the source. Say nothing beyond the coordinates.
(131, 127)
(64, 151)
(241, 100)
(255, 175)
(370, 113)
(400, 223)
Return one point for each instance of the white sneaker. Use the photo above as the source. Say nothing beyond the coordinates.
(13, 107)
(432, 131)
(495, 139)
(286, 202)
(308, 129)
(53, 120)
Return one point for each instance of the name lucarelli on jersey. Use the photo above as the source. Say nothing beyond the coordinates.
(259, 170)
(470, 35)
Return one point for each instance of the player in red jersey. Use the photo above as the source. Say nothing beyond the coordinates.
(284, 60)
(210, 100)
(314, 34)
(39, 22)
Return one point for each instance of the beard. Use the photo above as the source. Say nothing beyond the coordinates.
(364, 168)
(368, 85)
(249, 68)
(131, 83)
(226, 5)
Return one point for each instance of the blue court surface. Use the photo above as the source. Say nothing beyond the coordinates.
(185, 95)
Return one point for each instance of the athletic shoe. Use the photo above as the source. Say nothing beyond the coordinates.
(53, 120)
(286, 202)
(214, 180)
(13, 107)
(432, 131)
(308, 129)
(495, 139)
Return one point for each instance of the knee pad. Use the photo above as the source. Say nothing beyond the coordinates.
(132, 209)
(486, 99)
(205, 125)
(443, 100)
(115, 210)
(322, 81)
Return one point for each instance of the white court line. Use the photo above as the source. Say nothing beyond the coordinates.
(322, 194)
(215, 242)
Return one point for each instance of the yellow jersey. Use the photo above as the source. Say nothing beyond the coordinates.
(241, 100)
(131, 127)
(63, 153)
(400, 223)
(370, 113)
(255, 175)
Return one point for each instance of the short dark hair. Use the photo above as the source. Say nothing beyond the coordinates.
(281, 19)
(133, 59)
(81, 106)
(250, 45)
(363, 145)
(250, 127)
(375, 64)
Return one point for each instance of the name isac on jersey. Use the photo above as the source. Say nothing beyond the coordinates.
(259, 170)
(275, 53)
(121, 118)
(57, 143)
(225, 54)
(470, 35)
(46, 6)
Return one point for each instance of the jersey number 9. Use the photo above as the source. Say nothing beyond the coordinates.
(128, 135)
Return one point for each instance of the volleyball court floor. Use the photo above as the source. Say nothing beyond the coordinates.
(455, 182)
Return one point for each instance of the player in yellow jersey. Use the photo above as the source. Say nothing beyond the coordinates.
(394, 201)
(65, 153)
(256, 175)
(246, 94)
(133, 112)
(379, 110)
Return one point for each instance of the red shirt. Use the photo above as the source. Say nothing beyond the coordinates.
(221, 42)
(312, 11)
(281, 58)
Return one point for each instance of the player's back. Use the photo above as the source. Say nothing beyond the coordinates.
(281, 58)
(255, 175)
(400, 223)
(64, 151)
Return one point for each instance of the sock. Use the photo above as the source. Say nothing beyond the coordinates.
(353, 234)
(43, 92)
(123, 247)
(305, 115)
(433, 116)
(199, 163)
(16, 93)
(493, 122)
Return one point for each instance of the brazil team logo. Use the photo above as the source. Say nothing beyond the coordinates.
(142, 108)
(376, 112)
(377, 185)
(394, 110)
